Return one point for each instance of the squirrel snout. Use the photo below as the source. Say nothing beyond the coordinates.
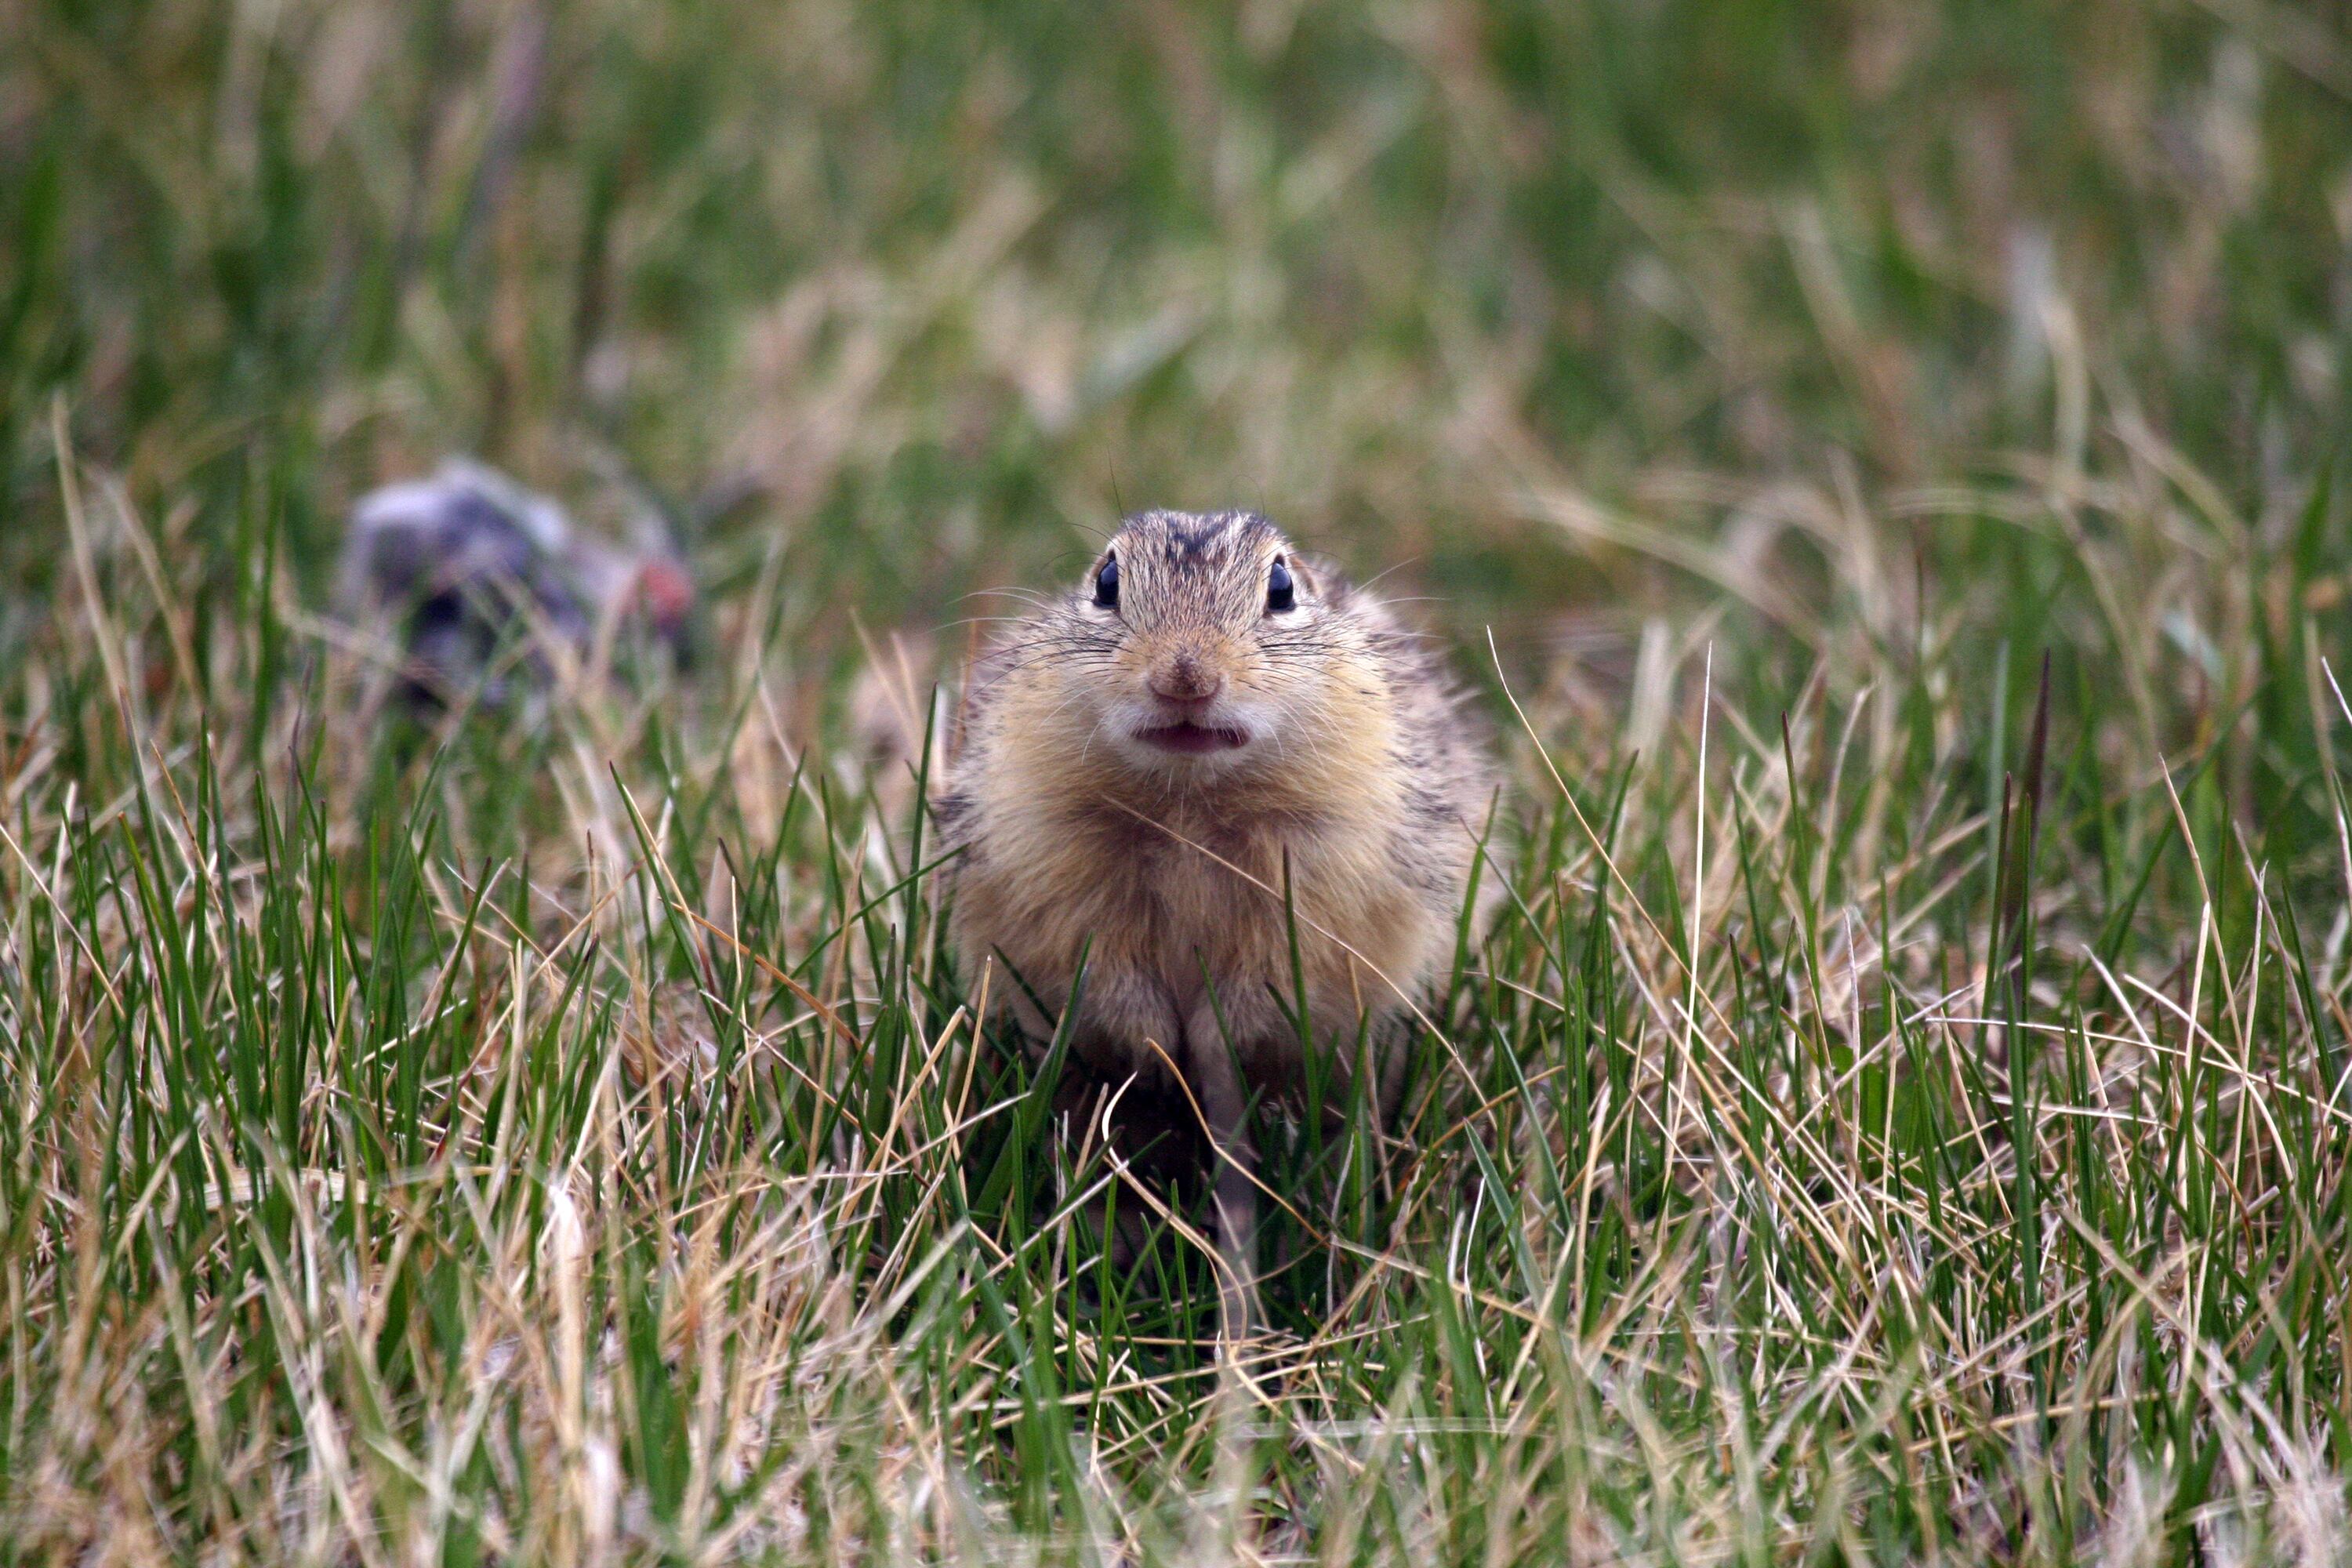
(1184, 679)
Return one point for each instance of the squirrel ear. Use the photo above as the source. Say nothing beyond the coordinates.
(1324, 578)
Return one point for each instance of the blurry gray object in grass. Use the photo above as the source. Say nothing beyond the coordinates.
(469, 562)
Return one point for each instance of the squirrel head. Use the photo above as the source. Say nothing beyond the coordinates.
(1205, 644)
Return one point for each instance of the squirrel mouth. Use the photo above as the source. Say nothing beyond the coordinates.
(1193, 740)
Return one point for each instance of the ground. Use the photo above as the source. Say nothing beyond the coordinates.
(1873, 462)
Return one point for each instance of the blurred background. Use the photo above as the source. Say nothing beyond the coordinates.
(1851, 357)
(1570, 313)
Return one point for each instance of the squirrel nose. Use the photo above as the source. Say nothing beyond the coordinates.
(1185, 679)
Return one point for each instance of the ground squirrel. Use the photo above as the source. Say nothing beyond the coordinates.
(1139, 767)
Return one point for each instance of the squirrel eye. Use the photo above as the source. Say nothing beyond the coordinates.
(1278, 595)
(1106, 585)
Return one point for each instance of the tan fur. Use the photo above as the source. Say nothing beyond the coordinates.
(1169, 872)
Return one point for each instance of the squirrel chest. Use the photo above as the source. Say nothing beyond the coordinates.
(1194, 903)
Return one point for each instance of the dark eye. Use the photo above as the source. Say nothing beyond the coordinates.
(1106, 585)
(1278, 595)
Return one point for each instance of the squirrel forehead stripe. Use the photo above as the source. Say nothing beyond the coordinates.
(1189, 540)
(1196, 539)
